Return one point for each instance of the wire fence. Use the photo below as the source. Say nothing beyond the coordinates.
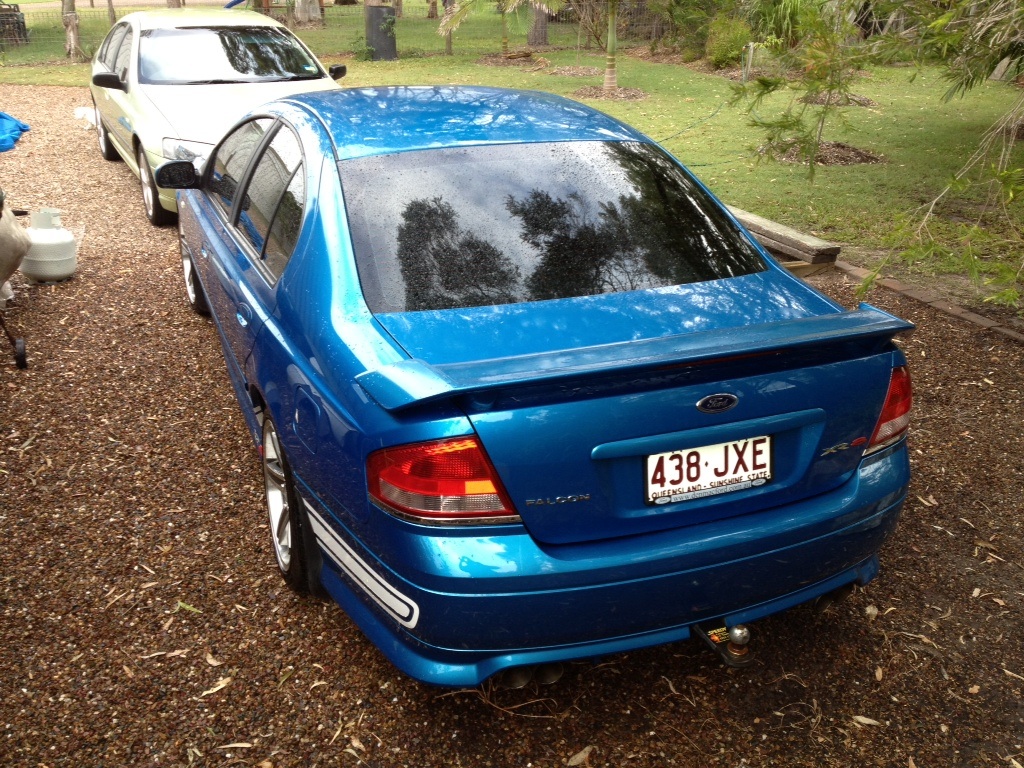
(31, 36)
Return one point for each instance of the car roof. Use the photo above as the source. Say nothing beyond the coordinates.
(376, 121)
(166, 18)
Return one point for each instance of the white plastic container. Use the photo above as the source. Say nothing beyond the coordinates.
(54, 254)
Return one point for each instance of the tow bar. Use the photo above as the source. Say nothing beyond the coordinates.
(730, 643)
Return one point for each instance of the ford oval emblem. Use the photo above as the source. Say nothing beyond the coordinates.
(717, 403)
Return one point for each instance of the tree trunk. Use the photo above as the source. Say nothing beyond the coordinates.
(448, 35)
(432, 10)
(72, 40)
(504, 32)
(174, 3)
(111, 16)
(398, 8)
(610, 77)
(307, 10)
(538, 34)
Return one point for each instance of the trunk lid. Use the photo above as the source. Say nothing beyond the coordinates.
(576, 401)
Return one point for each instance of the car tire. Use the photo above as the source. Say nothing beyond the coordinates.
(106, 148)
(194, 292)
(156, 213)
(284, 511)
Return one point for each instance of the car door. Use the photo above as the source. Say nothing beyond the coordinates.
(257, 188)
(116, 56)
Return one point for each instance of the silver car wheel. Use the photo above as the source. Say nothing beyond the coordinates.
(275, 480)
(150, 196)
(106, 148)
(194, 292)
(147, 183)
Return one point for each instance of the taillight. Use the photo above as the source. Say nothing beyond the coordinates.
(442, 482)
(895, 417)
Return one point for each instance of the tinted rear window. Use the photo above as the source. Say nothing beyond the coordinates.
(475, 226)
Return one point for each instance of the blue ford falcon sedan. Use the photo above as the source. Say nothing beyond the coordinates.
(523, 390)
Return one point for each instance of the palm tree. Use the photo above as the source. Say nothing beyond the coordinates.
(457, 10)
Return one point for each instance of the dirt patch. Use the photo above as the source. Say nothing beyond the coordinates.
(612, 94)
(839, 100)
(831, 153)
(577, 71)
(143, 623)
(525, 59)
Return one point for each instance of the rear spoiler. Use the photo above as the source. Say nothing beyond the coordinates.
(412, 382)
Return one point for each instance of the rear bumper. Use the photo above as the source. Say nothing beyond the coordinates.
(459, 608)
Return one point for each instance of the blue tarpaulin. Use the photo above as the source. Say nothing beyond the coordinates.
(10, 131)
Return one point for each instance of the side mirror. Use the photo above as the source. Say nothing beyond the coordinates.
(337, 71)
(177, 174)
(109, 80)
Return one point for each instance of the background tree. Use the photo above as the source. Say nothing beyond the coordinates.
(456, 12)
(72, 40)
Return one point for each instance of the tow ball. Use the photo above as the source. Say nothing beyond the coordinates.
(730, 643)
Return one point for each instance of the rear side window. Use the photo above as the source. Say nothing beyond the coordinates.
(476, 226)
(232, 158)
(271, 213)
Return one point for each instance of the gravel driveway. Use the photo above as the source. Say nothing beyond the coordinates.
(144, 623)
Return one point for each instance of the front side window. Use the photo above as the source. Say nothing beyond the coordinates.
(202, 55)
(230, 160)
(124, 55)
(477, 226)
(271, 214)
(108, 53)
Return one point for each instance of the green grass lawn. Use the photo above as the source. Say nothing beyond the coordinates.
(922, 139)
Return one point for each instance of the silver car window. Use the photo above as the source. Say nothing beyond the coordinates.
(198, 55)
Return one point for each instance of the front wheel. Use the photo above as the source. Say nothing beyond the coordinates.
(106, 148)
(155, 212)
(283, 510)
(194, 292)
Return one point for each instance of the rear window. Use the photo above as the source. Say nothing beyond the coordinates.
(476, 226)
(197, 55)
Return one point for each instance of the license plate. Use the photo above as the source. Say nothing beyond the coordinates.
(696, 473)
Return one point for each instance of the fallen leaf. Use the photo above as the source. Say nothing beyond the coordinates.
(127, 670)
(580, 757)
(911, 763)
(974, 689)
(236, 745)
(355, 742)
(186, 607)
(984, 544)
(212, 661)
(224, 682)
(861, 720)
(879, 674)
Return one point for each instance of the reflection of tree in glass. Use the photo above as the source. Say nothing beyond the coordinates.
(659, 235)
(687, 239)
(260, 54)
(578, 257)
(444, 266)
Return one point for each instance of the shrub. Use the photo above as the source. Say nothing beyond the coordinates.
(727, 37)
